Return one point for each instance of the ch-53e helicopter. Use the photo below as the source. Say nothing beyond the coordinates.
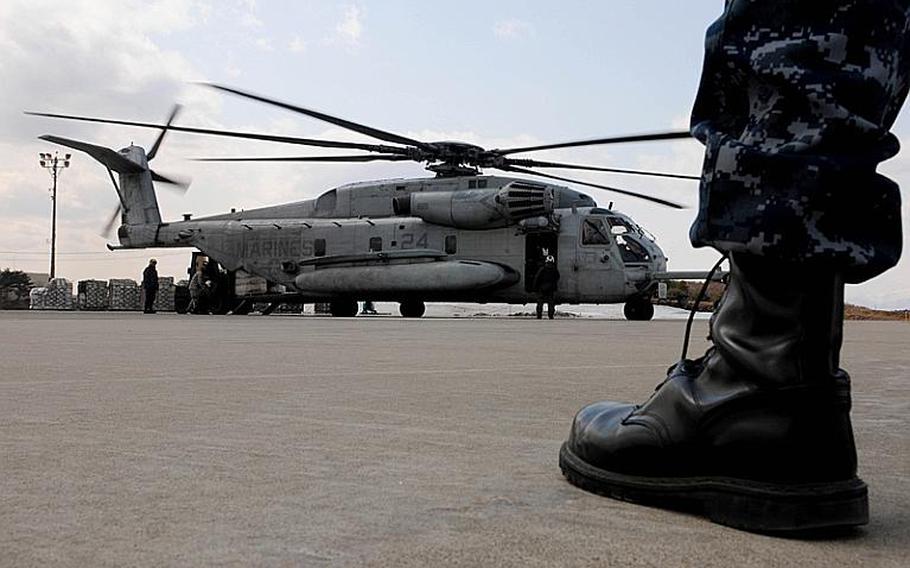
(459, 236)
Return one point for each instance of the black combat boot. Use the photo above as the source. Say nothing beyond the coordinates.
(755, 434)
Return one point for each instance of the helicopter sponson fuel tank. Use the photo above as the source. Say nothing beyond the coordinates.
(393, 274)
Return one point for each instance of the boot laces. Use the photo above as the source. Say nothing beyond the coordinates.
(683, 361)
(698, 299)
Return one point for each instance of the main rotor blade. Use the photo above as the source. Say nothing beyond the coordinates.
(674, 135)
(608, 188)
(233, 134)
(365, 158)
(361, 128)
(110, 224)
(151, 155)
(539, 164)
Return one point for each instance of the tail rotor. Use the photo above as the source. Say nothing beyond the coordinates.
(127, 162)
(174, 112)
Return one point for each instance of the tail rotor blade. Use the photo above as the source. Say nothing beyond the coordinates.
(157, 144)
(109, 226)
(178, 183)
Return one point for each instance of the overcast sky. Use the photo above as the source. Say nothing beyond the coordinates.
(492, 73)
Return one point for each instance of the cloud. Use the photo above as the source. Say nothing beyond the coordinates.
(94, 60)
(233, 71)
(350, 29)
(247, 14)
(264, 44)
(297, 45)
(513, 29)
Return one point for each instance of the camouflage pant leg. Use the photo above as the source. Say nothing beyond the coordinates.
(794, 107)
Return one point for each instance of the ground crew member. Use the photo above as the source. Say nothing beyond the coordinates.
(794, 107)
(545, 283)
(150, 286)
(198, 291)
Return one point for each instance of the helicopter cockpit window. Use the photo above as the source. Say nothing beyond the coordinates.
(631, 251)
(451, 244)
(594, 232)
(327, 201)
(319, 247)
(619, 226)
(376, 244)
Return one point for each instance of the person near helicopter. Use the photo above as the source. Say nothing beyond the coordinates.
(198, 293)
(150, 286)
(545, 282)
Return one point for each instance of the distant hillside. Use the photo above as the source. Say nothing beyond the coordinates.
(852, 312)
(682, 294)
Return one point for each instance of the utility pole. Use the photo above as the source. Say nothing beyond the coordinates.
(54, 164)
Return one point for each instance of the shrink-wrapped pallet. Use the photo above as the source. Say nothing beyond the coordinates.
(59, 295)
(123, 294)
(164, 301)
(36, 298)
(92, 295)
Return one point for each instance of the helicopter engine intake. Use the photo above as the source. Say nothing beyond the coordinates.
(483, 208)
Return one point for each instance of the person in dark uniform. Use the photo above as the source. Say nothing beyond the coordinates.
(545, 282)
(794, 108)
(150, 285)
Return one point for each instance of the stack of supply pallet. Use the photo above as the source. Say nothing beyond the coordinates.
(164, 301)
(59, 295)
(123, 294)
(36, 298)
(92, 295)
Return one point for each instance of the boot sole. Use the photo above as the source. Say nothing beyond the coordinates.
(739, 503)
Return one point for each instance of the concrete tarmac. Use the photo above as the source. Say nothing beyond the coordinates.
(172, 440)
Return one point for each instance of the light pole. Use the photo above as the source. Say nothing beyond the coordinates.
(54, 164)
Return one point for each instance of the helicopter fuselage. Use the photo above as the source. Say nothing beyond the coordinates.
(470, 238)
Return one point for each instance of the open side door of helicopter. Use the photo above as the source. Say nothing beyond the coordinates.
(538, 245)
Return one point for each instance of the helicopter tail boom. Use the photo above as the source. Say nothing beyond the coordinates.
(138, 208)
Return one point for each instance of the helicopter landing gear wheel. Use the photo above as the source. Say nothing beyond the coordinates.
(343, 308)
(412, 308)
(638, 309)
